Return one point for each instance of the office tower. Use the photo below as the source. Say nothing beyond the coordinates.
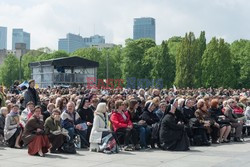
(144, 28)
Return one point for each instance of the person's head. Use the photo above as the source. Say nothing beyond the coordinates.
(202, 105)
(181, 102)
(163, 106)
(174, 102)
(64, 102)
(141, 92)
(101, 108)
(4, 111)
(156, 92)
(214, 103)
(119, 105)
(95, 102)
(15, 108)
(243, 100)
(32, 83)
(30, 106)
(50, 107)
(37, 111)
(150, 106)
(188, 103)
(71, 107)
(231, 103)
(46, 101)
(133, 105)
(56, 114)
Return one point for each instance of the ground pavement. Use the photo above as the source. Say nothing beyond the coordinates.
(228, 155)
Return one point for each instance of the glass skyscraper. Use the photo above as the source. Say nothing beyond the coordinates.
(144, 28)
(3, 37)
(73, 42)
(19, 36)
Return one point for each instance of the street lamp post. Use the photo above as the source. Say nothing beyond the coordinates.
(20, 68)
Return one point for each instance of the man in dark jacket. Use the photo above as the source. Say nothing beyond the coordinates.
(31, 94)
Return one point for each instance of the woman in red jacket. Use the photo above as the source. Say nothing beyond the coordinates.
(121, 123)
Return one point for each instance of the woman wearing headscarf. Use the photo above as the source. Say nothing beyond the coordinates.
(12, 128)
(101, 133)
(172, 132)
(34, 135)
(86, 114)
(151, 120)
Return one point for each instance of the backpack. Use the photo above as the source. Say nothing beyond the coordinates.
(109, 145)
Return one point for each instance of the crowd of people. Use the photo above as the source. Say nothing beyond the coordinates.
(58, 120)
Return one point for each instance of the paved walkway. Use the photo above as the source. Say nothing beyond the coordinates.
(228, 155)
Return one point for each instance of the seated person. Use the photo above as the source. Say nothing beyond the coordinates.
(204, 117)
(219, 117)
(34, 135)
(140, 125)
(150, 118)
(46, 114)
(12, 128)
(121, 123)
(162, 108)
(56, 135)
(196, 131)
(3, 113)
(72, 122)
(172, 133)
(28, 110)
(234, 120)
(101, 130)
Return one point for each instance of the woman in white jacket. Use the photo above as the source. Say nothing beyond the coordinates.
(101, 135)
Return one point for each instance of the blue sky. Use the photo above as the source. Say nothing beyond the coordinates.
(49, 20)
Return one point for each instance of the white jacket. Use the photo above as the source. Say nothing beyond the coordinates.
(99, 126)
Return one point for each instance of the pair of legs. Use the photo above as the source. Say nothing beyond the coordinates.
(224, 132)
(56, 141)
(39, 145)
(82, 133)
(129, 133)
(14, 141)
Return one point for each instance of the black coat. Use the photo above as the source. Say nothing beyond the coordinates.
(173, 135)
(149, 117)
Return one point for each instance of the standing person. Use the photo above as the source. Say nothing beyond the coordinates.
(31, 94)
(172, 133)
(12, 128)
(34, 135)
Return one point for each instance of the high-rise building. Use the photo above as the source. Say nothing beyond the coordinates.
(19, 36)
(3, 37)
(144, 28)
(73, 42)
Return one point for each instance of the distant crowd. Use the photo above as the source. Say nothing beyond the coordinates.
(60, 120)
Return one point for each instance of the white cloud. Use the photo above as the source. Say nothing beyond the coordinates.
(49, 20)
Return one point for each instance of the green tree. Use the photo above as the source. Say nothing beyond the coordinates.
(133, 56)
(240, 54)
(31, 56)
(186, 60)
(217, 68)
(9, 70)
(161, 64)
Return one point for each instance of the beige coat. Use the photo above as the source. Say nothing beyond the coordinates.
(99, 125)
(10, 127)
